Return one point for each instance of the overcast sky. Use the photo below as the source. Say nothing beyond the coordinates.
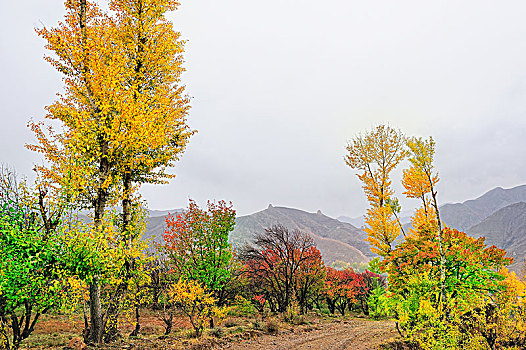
(280, 86)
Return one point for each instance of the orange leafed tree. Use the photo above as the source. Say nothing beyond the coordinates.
(123, 112)
(375, 155)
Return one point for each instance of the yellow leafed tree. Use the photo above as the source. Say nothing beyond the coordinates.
(375, 155)
(420, 181)
(123, 111)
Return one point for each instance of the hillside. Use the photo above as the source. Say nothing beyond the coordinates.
(336, 240)
(156, 225)
(464, 215)
(499, 215)
(506, 228)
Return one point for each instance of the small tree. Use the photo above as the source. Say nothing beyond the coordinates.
(193, 300)
(310, 279)
(30, 276)
(37, 260)
(275, 261)
(196, 243)
(363, 284)
(339, 289)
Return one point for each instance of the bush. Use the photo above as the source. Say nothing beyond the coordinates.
(217, 332)
(292, 312)
(272, 327)
(258, 325)
(299, 320)
(193, 300)
(378, 303)
(229, 323)
(242, 307)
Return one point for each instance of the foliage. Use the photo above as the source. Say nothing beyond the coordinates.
(310, 279)
(279, 263)
(503, 322)
(471, 266)
(39, 263)
(32, 275)
(292, 312)
(196, 242)
(259, 302)
(375, 155)
(445, 288)
(374, 266)
(122, 119)
(197, 304)
(378, 303)
(243, 307)
(471, 275)
(339, 289)
(123, 103)
(343, 288)
(356, 266)
(235, 286)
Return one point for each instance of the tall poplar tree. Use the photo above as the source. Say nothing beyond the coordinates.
(375, 155)
(123, 113)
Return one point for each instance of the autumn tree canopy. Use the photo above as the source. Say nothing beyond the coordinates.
(122, 116)
(442, 283)
(375, 155)
(277, 262)
(196, 242)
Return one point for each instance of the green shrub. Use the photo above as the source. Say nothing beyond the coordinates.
(242, 307)
(378, 303)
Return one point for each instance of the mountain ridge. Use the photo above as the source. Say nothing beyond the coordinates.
(336, 240)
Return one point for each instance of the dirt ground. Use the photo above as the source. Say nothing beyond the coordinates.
(317, 333)
(358, 334)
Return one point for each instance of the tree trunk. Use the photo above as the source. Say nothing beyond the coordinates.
(127, 208)
(365, 307)
(137, 328)
(331, 305)
(168, 321)
(97, 322)
(96, 328)
(121, 290)
(443, 296)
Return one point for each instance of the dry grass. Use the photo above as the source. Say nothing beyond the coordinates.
(55, 331)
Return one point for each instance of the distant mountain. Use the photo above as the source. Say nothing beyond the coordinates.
(156, 225)
(499, 215)
(336, 240)
(163, 213)
(358, 221)
(506, 228)
(464, 215)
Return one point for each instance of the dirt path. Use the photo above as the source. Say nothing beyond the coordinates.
(354, 334)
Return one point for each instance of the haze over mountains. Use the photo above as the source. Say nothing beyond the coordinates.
(499, 215)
